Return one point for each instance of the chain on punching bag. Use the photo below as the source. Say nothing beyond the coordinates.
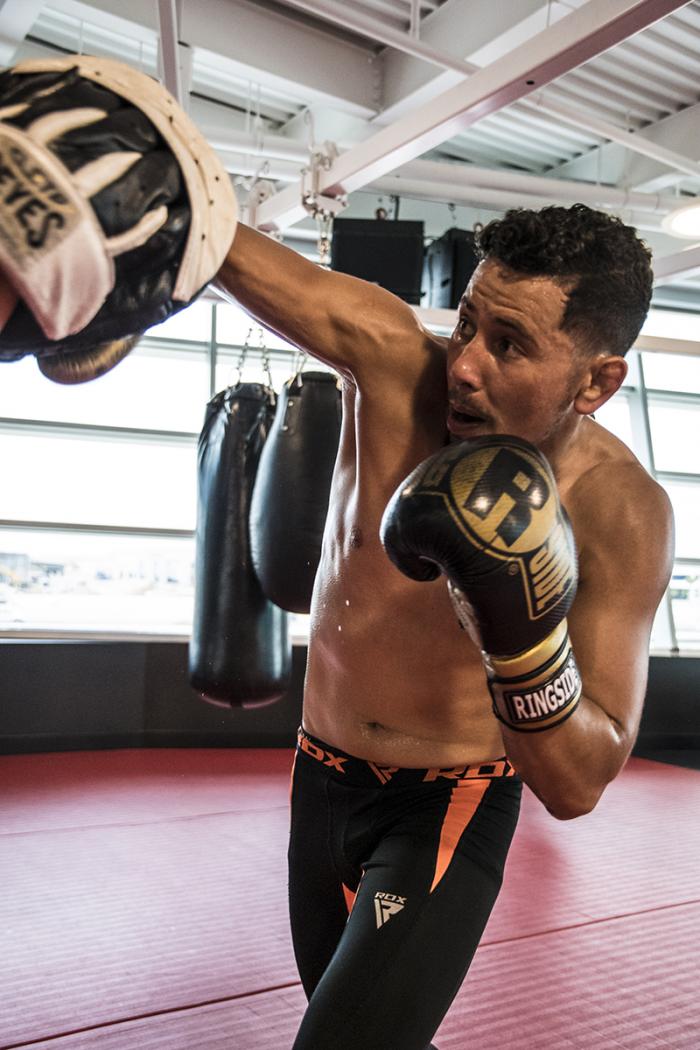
(240, 652)
(292, 488)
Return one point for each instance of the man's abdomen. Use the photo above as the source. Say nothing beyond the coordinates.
(392, 678)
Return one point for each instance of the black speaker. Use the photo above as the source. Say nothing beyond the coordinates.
(388, 252)
(449, 263)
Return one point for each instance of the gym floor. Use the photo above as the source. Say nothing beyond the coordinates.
(144, 906)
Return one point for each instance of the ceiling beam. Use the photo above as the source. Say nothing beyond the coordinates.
(496, 199)
(470, 179)
(656, 344)
(477, 35)
(16, 19)
(376, 30)
(439, 180)
(597, 26)
(612, 162)
(239, 38)
(680, 265)
(317, 67)
(281, 159)
(169, 45)
(678, 132)
(624, 137)
(449, 37)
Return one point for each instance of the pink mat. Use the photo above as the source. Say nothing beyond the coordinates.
(143, 905)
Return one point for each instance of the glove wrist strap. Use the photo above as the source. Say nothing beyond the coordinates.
(536, 689)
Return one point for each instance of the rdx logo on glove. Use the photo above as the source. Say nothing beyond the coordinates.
(516, 487)
(503, 499)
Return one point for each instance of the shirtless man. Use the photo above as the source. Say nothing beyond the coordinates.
(403, 805)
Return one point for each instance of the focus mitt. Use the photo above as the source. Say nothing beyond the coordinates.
(114, 211)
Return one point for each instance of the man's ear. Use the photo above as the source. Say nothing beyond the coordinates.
(603, 377)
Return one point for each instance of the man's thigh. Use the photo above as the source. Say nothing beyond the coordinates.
(421, 908)
(318, 908)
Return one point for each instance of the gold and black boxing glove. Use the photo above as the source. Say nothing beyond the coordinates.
(486, 513)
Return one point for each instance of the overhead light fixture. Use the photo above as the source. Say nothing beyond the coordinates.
(684, 221)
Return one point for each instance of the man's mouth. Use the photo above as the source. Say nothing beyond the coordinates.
(460, 420)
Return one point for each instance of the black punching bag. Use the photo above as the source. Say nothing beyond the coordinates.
(240, 651)
(290, 499)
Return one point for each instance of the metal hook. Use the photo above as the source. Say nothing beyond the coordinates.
(243, 355)
(265, 355)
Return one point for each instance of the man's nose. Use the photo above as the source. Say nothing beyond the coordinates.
(465, 364)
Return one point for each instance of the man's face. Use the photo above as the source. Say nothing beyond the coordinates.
(510, 368)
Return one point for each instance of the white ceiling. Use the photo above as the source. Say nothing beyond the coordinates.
(425, 100)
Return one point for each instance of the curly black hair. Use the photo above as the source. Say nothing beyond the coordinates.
(608, 265)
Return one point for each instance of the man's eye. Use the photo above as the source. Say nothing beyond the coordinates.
(462, 326)
(507, 348)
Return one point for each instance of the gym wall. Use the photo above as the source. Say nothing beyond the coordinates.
(68, 695)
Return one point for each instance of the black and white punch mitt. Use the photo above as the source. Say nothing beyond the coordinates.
(114, 211)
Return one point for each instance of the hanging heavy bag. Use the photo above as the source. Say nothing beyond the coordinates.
(292, 489)
(240, 651)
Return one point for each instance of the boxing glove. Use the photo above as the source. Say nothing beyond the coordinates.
(486, 513)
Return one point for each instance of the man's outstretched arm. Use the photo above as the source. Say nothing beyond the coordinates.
(351, 324)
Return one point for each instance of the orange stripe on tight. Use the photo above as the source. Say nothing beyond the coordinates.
(291, 776)
(349, 897)
(464, 803)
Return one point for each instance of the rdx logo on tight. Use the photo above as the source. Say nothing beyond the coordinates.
(386, 905)
(327, 757)
(501, 768)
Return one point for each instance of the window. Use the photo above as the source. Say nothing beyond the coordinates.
(672, 324)
(671, 390)
(234, 328)
(685, 497)
(159, 386)
(685, 602)
(675, 433)
(93, 478)
(678, 372)
(63, 582)
(193, 324)
(99, 480)
(616, 416)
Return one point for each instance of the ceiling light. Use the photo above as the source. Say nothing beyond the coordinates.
(684, 221)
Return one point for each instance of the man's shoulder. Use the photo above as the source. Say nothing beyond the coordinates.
(620, 512)
(404, 358)
(618, 486)
(603, 469)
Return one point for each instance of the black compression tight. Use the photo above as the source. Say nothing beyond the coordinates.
(393, 876)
